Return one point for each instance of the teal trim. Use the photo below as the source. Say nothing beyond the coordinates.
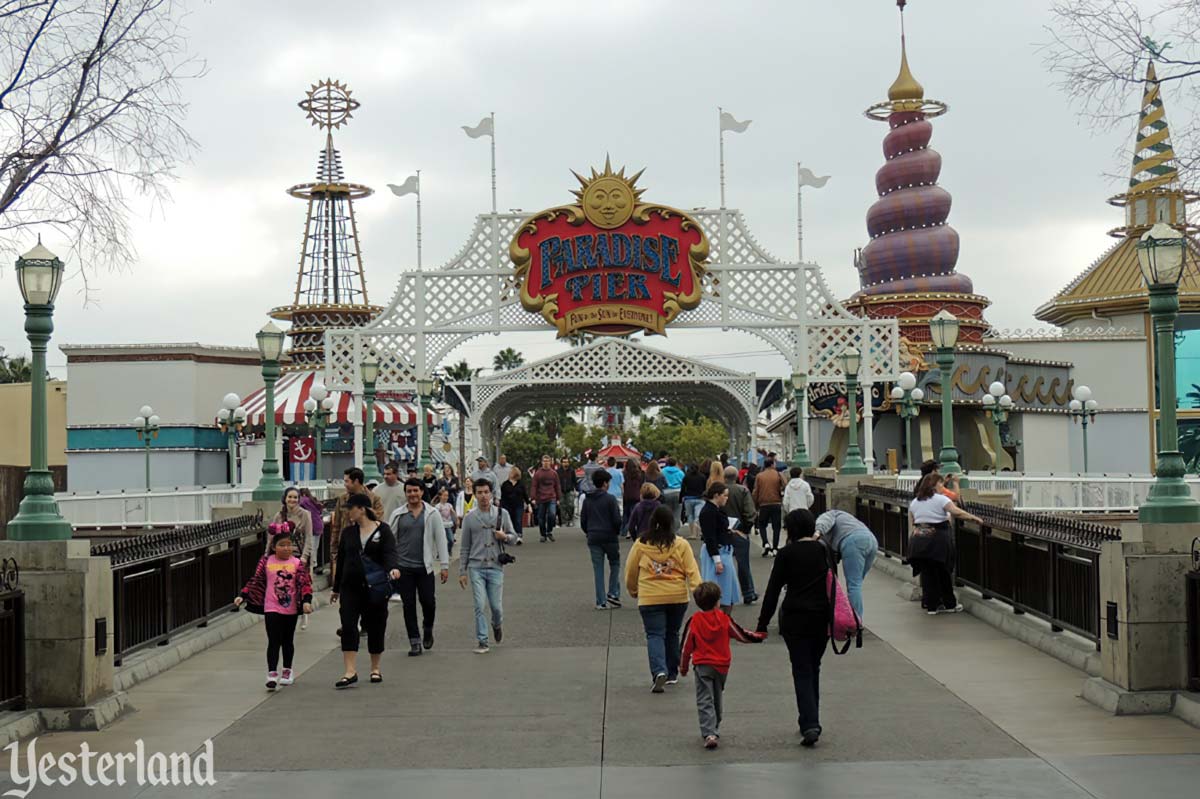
(90, 438)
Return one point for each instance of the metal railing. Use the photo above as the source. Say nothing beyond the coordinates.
(169, 581)
(1047, 566)
(12, 637)
(158, 508)
(1100, 493)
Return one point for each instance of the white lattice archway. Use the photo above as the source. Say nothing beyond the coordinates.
(613, 372)
(788, 305)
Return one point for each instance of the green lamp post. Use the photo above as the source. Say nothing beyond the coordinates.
(1160, 256)
(799, 388)
(424, 443)
(908, 398)
(317, 410)
(39, 274)
(943, 329)
(230, 420)
(146, 425)
(1083, 408)
(851, 361)
(270, 347)
(997, 404)
(370, 374)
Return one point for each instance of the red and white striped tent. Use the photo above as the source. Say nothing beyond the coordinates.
(291, 391)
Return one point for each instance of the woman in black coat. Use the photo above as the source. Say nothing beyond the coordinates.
(804, 620)
(514, 498)
(367, 537)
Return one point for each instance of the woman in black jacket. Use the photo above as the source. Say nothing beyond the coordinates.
(716, 549)
(366, 537)
(804, 620)
(692, 495)
(514, 498)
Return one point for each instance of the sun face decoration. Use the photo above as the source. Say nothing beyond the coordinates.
(608, 197)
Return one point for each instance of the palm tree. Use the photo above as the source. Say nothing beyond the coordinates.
(506, 359)
(681, 414)
(461, 372)
(16, 370)
(1193, 396)
(550, 420)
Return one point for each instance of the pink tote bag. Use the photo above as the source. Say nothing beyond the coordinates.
(845, 626)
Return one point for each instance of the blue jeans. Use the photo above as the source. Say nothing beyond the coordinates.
(858, 552)
(741, 552)
(692, 506)
(662, 623)
(547, 514)
(611, 550)
(487, 587)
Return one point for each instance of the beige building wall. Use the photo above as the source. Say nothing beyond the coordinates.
(15, 414)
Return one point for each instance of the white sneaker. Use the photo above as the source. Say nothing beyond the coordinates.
(660, 680)
(482, 649)
(286, 677)
(956, 609)
(272, 680)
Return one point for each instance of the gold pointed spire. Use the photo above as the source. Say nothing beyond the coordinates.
(905, 87)
(1153, 156)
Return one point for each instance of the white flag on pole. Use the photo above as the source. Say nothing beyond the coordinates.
(484, 128)
(410, 186)
(807, 178)
(731, 124)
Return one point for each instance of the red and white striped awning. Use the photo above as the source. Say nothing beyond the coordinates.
(291, 391)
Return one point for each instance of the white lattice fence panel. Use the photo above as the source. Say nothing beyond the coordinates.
(820, 300)
(875, 340)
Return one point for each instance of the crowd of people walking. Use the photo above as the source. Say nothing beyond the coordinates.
(394, 542)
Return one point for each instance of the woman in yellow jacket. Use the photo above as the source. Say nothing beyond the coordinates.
(661, 571)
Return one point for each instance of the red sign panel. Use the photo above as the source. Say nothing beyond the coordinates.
(611, 264)
(303, 449)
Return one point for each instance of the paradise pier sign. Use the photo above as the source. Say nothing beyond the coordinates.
(609, 264)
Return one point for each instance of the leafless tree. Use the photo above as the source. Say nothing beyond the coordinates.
(1098, 50)
(91, 115)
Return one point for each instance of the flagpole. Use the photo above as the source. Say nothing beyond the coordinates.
(493, 138)
(418, 220)
(799, 216)
(721, 139)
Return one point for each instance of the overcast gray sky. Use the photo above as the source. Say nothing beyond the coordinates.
(569, 82)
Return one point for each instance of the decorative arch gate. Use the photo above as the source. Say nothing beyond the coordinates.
(787, 305)
(613, 371)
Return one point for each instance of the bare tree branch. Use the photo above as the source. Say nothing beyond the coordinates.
(1098, 50)
(90, 115)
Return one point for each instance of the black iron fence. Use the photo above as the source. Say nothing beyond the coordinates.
(12, 637)
(1044, 565)
(173, 580)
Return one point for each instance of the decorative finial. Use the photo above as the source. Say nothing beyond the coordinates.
(329, 104)
(905, 95)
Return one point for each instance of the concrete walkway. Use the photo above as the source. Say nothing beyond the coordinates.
(930, 706)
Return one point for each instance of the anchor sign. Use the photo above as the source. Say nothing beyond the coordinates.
(302, 450)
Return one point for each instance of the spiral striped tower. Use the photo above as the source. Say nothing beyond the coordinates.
(907, 270)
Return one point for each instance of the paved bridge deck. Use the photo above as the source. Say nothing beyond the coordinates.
(930, 706)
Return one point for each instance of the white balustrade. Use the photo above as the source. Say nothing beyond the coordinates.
(160, 507)
(1053, 493)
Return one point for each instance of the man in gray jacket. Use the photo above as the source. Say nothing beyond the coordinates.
(484, 532)
(421, 543)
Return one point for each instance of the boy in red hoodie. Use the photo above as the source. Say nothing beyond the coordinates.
(706, 641)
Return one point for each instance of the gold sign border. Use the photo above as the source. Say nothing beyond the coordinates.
(674, 302)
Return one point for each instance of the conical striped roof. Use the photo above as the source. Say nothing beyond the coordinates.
(1153, 156)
